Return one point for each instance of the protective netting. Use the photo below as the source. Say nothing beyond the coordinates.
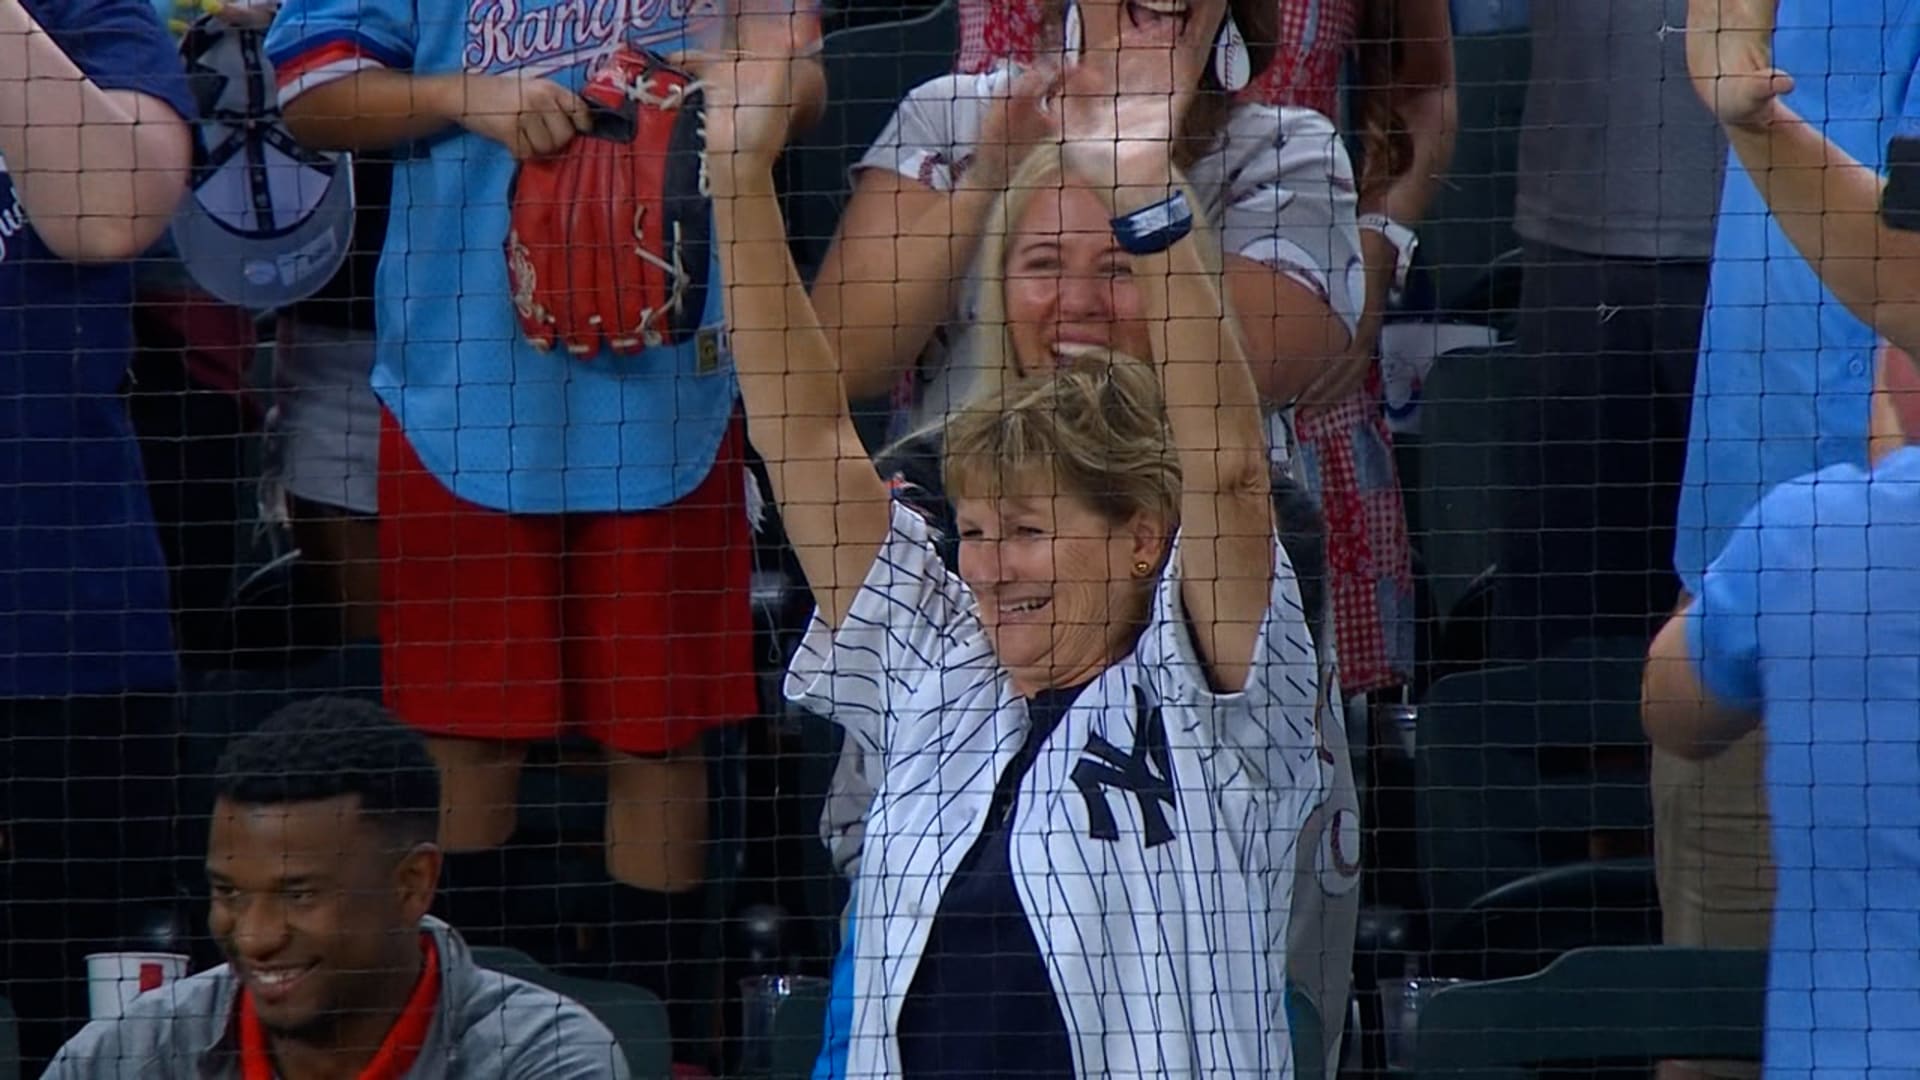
(1309, 538)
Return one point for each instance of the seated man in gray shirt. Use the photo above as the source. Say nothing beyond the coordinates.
(323, 865)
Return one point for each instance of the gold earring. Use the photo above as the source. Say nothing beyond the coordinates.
(1142, 568)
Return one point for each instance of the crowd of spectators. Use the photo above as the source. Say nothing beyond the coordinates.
(1131, 565)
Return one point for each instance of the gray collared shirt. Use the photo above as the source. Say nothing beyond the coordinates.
(486, 1026)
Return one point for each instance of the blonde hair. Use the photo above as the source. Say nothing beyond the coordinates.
(985, 360)
(1095, 429)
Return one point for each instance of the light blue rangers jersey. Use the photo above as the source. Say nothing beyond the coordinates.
(499, 422)
(1153, 841)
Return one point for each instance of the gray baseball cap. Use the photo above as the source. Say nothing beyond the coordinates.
(268, 221)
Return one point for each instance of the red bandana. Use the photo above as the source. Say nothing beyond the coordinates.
(397, 1052)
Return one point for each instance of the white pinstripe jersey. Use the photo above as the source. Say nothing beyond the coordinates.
(1161, 905)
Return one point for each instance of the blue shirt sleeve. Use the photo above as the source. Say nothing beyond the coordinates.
(1763, 580)
(120, 45)
(315, 42)
(1910, 105)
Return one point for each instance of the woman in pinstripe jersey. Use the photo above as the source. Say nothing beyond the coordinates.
(1094, 745)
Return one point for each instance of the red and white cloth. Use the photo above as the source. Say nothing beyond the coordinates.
(1345, 457)
(1314, 38)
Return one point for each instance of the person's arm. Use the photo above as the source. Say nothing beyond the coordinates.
(1420, 96)
(891, 277)
(903, 246)
(1702, 688)
(556, 1039)
(1226, 558)
(98, 170)
(343, 70)
(834, 506)
(1826, 202)
(380, 109)
(1678, 712)
(1119, 126)
(1290, 331)
(1415, 102)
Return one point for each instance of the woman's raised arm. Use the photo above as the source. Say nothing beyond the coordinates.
(1119, 125)
(833, 503)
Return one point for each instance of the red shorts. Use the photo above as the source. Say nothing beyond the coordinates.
(633, 629)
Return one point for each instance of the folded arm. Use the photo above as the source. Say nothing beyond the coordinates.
(99, 171)
(1680, 714)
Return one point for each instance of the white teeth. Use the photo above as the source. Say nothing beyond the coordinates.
(1024, 606)
(278, 976)
(1159, 7)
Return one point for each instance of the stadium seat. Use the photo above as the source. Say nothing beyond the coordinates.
(1523, 926)
(1470, 224)
(799, 1024)
(637, 1018)
(9, 1043)
(1462, 469)
(1517, 769)
(1602, 1006)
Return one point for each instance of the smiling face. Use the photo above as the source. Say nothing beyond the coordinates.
(1055, 582)
(317, 913)
(1119, 20)
(1069, 285)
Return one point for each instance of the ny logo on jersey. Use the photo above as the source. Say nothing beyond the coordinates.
(1105, 766)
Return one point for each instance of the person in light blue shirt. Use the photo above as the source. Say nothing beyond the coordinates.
(1780, 391)
(1808, 624)
(564, 539)
(1785, 369)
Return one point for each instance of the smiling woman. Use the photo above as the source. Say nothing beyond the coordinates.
(924, 189)
(1105, 722)
(1067, 489)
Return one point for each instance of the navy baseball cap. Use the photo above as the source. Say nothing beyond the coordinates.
(268, 222)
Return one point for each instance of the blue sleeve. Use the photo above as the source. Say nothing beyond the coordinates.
(120, 45)
(1764, 573)
(1910, 105)
(315, 42)
(831, 1064)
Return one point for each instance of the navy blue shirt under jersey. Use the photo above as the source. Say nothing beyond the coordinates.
(982, 1004)
(83, 588)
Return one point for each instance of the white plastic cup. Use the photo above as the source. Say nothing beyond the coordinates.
(1400, 1003)
(115, 979)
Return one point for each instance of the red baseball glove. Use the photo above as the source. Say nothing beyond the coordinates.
(609, 238)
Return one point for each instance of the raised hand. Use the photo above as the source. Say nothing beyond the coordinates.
(1017, 119)
(1730, 57)
(1123, 103)
(760, 78)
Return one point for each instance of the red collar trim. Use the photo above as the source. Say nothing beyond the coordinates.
(398, 1051)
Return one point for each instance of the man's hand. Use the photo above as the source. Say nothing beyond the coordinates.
(530, 117)
(1730, 56)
